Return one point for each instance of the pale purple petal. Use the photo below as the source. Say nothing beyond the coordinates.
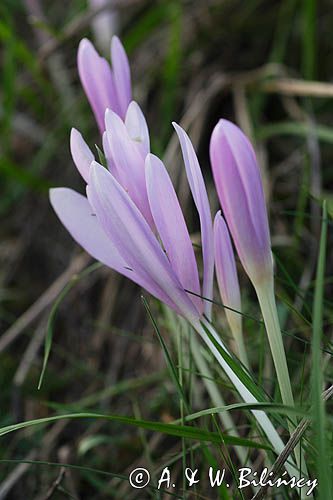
(171, 227)
(239, 187)
(123, 222)
(77, 215)
(79, 219)
(81, 153)
(226, 273)
(200, 197)
(97, 81)
(128, 163)
(137, 128)
(121, 75)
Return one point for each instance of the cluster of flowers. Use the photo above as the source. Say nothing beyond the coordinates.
(133, 200)
(131, 219)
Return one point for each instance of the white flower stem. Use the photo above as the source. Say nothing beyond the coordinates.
(267, 303)
(246, 395)
(216, 396)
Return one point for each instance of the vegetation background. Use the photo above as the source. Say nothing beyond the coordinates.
(266, 64)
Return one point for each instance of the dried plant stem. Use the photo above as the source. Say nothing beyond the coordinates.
(290, 446)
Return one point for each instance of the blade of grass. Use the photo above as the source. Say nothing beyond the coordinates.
(171, 367)
(324, 472)
(268, 407)
(145, 24)
(27, 58)
(323, 133)
(53, 314)
(260, 322)
(182, 431)
(123, 386)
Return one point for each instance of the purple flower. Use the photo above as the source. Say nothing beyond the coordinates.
(171, 227)
(132, 202)
(81, 154)
(104, 86)
(114, 229)
(226, 273)
(126, 156)
(126, 145)
(239, 187)
(227, 280)
(200, 197)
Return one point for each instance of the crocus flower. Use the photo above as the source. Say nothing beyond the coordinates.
(239, 187)
(136, 190)
(111, 228)
(126, 146)
(227, 280)
(104, 86)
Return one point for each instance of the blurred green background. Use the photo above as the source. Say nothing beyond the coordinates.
(267, 65)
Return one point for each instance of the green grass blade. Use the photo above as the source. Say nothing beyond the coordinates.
(175, 430)
(322, 132)
(319, 417)
(239, 371)
(53, 314)
(268, 407)
(171, 367)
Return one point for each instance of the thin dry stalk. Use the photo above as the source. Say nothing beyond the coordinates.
(289, 448)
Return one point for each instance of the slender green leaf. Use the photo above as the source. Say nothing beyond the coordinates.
(170, 429)
(171, 367)
(324, 472)
(268, 407)
(53, 313)
(322, 132)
